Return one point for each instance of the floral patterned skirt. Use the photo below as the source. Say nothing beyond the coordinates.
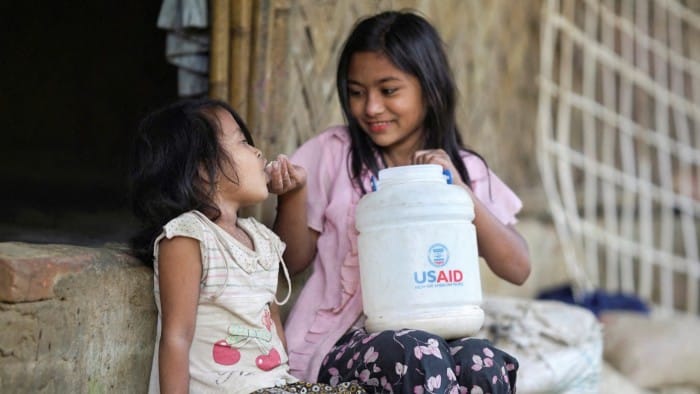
(304, 387)
(413, 361)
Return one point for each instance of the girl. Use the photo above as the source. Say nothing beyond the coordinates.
(219, 330)
(398, 97)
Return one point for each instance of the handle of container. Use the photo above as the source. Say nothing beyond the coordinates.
(448, 176)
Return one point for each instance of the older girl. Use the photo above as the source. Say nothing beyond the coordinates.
(398, 96)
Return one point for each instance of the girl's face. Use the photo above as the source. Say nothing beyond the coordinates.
(387, 103)
(250, 165)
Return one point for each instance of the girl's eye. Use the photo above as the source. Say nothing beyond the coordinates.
(354, 93)
(389, 91)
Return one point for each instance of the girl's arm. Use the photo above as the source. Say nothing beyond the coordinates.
(289, 183)
(180, 270)
(504, 250)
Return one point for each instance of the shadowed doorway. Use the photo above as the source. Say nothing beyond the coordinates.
(74, 82)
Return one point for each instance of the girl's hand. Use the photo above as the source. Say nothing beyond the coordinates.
(503, 248)
(440, 157)
(283, 176)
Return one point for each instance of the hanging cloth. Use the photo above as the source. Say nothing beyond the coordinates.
(187, 43)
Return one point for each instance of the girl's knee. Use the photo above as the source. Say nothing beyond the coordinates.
(408, 336)
(470, 346)
(418, 347)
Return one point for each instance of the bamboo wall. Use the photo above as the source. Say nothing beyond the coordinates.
(275, 61)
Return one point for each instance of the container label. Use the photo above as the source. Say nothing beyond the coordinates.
(438, 257)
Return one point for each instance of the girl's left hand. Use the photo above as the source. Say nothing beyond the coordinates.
(440, 157)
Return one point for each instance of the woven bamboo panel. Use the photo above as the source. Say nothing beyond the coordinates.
(619, 144)
(492, 66)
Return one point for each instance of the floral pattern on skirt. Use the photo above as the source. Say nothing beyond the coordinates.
(414, 361)
(305, 387)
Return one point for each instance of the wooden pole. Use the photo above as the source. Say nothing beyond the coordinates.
(240, 54)
(219, 52)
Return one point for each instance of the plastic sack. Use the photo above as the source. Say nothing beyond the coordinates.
(558, 346)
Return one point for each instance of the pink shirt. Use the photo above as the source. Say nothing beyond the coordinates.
(331, 301)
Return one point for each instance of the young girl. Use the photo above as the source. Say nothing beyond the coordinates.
(216, 274)
(398, 97)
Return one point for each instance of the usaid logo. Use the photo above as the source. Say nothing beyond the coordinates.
(438, 255)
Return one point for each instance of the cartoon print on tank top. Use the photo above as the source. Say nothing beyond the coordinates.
(225, 351)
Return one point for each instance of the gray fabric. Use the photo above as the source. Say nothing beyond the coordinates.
(559, 346)
(187, 43)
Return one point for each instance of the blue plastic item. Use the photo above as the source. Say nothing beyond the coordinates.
(596, 301)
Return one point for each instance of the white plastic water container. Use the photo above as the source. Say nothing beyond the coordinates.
(419, 265)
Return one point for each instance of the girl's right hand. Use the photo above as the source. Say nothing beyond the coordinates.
(283, 176)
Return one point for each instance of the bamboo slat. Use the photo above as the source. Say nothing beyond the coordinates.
(219, 49)
(240, 54)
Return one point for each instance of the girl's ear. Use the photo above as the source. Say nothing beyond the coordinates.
(204, 181)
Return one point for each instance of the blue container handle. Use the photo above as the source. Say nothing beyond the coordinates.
(448, 176)
(445, 172)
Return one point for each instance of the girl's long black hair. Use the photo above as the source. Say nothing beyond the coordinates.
(175, 161)
(414, 46)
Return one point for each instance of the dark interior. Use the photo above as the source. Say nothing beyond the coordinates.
(75, 78)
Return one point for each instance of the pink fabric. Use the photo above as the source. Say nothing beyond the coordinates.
(331, 299)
